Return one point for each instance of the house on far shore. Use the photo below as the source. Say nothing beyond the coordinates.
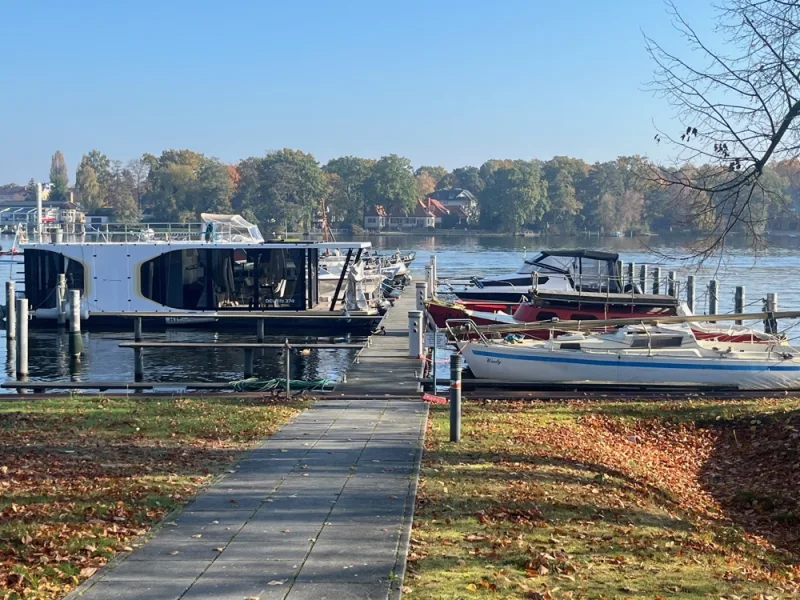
(375, 218)
(460, 204)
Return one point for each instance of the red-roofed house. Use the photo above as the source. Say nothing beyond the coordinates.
(460, 204)
(419, 218)
(375, 218)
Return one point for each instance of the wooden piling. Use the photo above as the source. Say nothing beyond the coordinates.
(632, 274)
(22, 339)
(738, 302)
(11, 312)
(138, 358)
(713, 297)
(248, 363)
(771, 306)
(260, 330)
(657, 280)
(690, 292)
(643, 278)
(672, 283)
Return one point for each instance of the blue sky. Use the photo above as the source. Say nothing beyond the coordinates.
(450, 83)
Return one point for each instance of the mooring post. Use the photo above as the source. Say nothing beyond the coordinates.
(690, 292)
(75, 341)
(138, 362)
(422, 294)
(61, 299)
(248, 363)
(643, 278)
(657, 280)
(288, 369)
(738, 303)
(429, 276)
(632, 274)
(260, 330)
(455, 397)
(414, 333)
(672, 283)
(771, 306)
(22, 339)
(434, 274)
(713, 298)
(11, 312)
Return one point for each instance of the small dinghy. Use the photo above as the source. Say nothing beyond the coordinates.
(655, 355)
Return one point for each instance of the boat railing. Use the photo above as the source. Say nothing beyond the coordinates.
(116, 233)
(469, 325)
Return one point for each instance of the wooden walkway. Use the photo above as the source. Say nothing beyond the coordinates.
(384, 368)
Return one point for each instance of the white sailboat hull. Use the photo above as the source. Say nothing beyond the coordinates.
(776, 370)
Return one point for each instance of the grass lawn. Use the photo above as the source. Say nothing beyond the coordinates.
(81, 478)
(679, 499)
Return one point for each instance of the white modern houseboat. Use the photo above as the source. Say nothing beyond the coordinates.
(219, 271)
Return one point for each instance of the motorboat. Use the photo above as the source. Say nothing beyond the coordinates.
(550, 270)
(199, 273)
(647, 355)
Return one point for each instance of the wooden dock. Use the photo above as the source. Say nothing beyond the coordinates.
(384, 368)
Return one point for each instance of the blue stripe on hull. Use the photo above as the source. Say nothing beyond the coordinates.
(717, 365)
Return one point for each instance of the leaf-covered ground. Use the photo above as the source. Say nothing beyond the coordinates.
(680, 499)
(81, 478)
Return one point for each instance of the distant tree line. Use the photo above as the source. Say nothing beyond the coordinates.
(287, 188)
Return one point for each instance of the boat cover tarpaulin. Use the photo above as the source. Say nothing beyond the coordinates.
(240, 229)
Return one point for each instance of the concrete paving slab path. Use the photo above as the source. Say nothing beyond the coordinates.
(322, 509)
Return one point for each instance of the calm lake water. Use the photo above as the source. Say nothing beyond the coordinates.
(459, 256)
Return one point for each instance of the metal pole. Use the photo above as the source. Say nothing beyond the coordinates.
(690, 292)
(455, 397)
(433, 361)
(260, 330)
(11, 312)
(672, 278)
(414, 333)
(22, 339)
(738, 302)
(75, 342)
(61, 299)
(771, 323)
(657, 280)
(288, 370)
(422, 294)
(713, 298)
(643, 278)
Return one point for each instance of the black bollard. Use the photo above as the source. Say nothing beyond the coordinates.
(455, 397)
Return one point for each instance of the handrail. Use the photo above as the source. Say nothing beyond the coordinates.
(470, 326)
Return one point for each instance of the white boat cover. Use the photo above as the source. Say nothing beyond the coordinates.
(354, 298)
(240, 229)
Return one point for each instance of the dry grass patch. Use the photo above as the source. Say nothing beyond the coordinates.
(685, 499)
(80, 478)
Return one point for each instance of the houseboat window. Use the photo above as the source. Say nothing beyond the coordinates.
(227, 279)
(42, 268)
